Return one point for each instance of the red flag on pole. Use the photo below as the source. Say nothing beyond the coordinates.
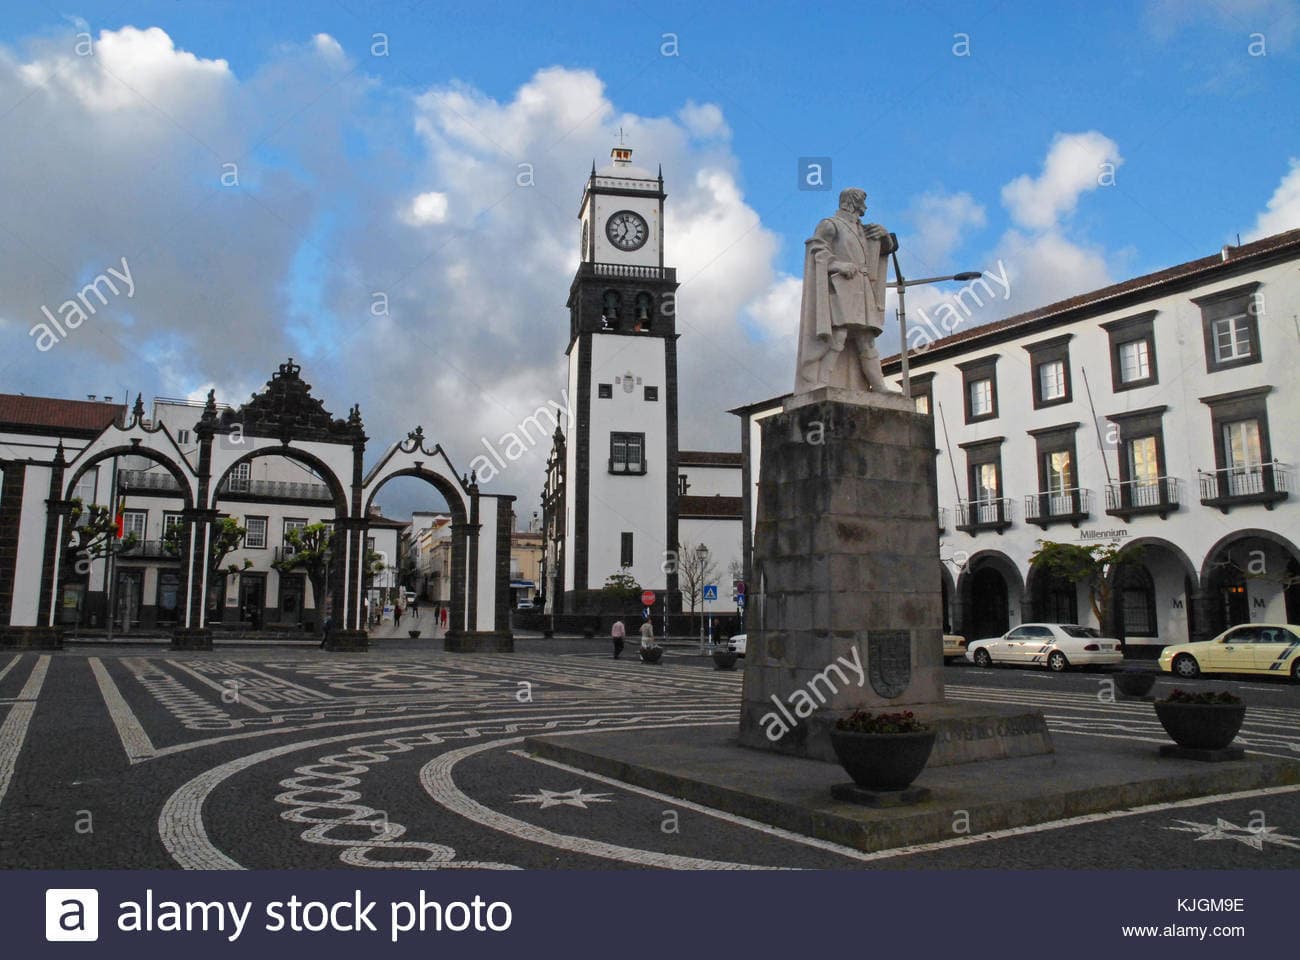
(121, 517)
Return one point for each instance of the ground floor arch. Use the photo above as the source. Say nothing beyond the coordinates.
(991, 595)
(1251, 575)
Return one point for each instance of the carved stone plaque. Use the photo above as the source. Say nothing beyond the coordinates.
(889, 661)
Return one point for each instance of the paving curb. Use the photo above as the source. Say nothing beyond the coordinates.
(794, 794)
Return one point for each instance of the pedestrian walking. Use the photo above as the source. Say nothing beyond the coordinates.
(617, 633)
(397, 613)
(415, 609)
(648, 636)
(444, 618)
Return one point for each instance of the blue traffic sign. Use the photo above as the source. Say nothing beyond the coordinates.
(710, 591)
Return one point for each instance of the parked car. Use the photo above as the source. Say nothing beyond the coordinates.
(1056, 646)
(738, 643)
(1267, 648)
(953, 647)
(525, 605)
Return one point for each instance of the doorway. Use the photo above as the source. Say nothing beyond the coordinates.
(989, 605)
(252, 599)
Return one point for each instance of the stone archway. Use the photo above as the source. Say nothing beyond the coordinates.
(1248, 575)
(480, 530)
(990, 594)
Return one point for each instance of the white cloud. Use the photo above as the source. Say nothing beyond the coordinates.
(1283, 211)
(328, 46)
(426, 208)
(775, 312)
(704, 120)
(1076, 164)
(940, 223)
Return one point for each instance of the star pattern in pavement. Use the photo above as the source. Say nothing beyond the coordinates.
(546, 799)
(1254, 837)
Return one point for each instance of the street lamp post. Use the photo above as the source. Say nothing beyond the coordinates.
(901, 286)
(702, 556)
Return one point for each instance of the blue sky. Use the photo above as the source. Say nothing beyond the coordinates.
(981, 132)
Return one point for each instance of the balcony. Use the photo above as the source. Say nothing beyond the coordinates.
(1253, 483)
(151, 550)
(256, 490)
(137, 480)
(1137, 497)
(943, 520)
(979, 516)
(627, 271)
(630, 467)
(1059, 506)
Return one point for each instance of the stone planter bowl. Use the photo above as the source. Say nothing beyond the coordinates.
(882, 761)
(412, 633)
(652, 655)
(1135, 683)
(1201, 726)
(724, 659)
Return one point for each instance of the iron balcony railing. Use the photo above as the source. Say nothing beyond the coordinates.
(152, 550)
(630, 271)
(283, 489)
(943, 519)
(1070, 504)
(983, 514)
(147, 480)
(1157, 495)
(1247, 481)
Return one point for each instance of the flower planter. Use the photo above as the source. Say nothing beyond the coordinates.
(1135, 682)
(882, 761)
(413, 634)
(724, 659)
(652, 654)
(1201, 726)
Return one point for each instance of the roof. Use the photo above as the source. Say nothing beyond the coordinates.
(710, 508)
(708, 458)
(84, 417)
(1229, 260)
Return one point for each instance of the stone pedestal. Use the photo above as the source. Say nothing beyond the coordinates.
(194, 639)
(31, 638)
(846, 554)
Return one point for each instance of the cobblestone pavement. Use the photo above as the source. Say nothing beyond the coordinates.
(139, 757)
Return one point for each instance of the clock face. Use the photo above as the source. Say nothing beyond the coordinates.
(627, 230)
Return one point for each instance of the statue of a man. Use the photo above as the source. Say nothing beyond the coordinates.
(844, 275)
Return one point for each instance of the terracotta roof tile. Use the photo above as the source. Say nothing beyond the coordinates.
(54, 414)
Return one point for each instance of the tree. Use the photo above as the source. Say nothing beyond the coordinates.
(623, 587)
(695, 569)
(1093, 565)
(89, 535)
(313, 554)
(227, 536)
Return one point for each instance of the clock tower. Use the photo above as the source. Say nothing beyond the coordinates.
(620, 455)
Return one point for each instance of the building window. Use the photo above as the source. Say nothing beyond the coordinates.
(1244, 468)
(652, 394)
(171, 521)
(183, 438)
(1132, 351)
(922, 388)
(625, 550)
(134, 523)
(240, 477)
(604, 391)
(979, 382)
(1143, 486)
(1050, 362)
(1230, 322)
(986, 508)
(255, 539)
(627, 453)
(1059, 496)
(85, 488)
(1134, 361)
(287, 548)
(1137, 601)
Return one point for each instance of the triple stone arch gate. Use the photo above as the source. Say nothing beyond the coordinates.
(285, 420)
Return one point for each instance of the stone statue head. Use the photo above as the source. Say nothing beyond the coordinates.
(853, 200)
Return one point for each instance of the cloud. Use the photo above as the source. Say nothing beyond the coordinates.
(1076, 164)
(940, 223)
(1276, 20)
(1283, 210)
(308, 250)
(426, 208)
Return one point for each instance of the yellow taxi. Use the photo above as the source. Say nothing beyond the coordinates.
(1264, 648)
(953, 647)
